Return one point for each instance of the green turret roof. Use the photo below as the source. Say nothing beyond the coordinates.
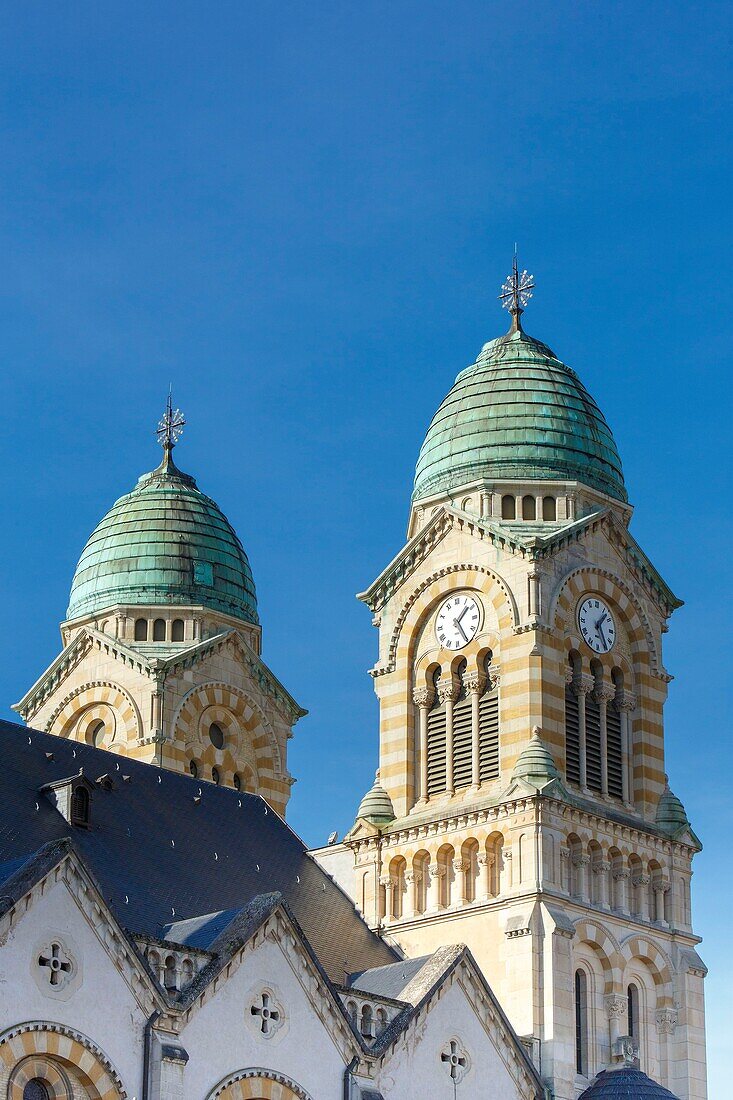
(164, 543)
(535, 765)
(376, 805)
(671, 815)
(518, 413)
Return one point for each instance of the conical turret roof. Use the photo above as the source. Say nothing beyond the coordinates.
(376, 805)
(536, 765)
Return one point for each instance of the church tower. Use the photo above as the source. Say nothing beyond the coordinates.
(161, 643)
(521, 804)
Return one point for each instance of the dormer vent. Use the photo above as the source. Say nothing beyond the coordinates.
(72, 797)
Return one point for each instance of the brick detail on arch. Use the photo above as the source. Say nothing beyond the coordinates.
(65, 719)
(56, 1054)
(642, 949)
(258, 1084)
(607, 950)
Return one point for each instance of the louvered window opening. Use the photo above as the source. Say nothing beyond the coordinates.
(615, 752)
(488, 733)
(572, 736)
(436, 749)
(593, 744)
(462, 737)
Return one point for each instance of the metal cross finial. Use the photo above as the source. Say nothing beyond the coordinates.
(170, 425)
(516, 291)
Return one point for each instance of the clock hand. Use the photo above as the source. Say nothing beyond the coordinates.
(462, 614)
(602, 635)
(457, 622)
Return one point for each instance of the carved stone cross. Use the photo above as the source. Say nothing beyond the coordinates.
(57, 963)
(455, 1061)
(268, 1014)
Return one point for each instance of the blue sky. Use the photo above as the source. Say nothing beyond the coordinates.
(300, 215)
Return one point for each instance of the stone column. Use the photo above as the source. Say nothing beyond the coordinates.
(473, 683)
(506, 872)
(423, 698)
(486, 863)
(626, 703)
(447, 691)
(641, 882)
(534, 594)
(660, 889)
(436, 874)
(581, 864)
(622, 887)
(461, 869)
(602, 870)
(565, 876)
(616, 1009)
(604, 693)
(413, 879)
(583, 686)
(666, 1020)
(388, 883)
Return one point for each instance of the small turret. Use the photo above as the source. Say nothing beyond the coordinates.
(376, 805)
(535, 765)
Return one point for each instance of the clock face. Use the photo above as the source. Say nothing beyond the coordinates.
(596, 625)
(457, 621)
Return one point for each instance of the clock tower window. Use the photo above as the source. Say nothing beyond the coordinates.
(462, 729)
(436, 741)
(488, 725)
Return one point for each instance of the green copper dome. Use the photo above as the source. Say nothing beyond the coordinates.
(164, 543)
(535, 765)
(376, 805)
(518, 413)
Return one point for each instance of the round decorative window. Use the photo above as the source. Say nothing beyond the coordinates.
(216, 735)
(36, 1090)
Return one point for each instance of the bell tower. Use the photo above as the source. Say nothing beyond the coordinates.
(162, 642)
(524, 805)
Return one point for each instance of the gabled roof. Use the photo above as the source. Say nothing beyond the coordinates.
(161, 857)
(150, 664)
(531, 545)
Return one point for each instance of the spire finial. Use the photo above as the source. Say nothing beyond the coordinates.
(516, 291)
(170, 427)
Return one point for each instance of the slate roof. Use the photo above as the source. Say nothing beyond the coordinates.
(162, 860)
(390, 980)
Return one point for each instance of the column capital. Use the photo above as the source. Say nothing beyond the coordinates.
(569, 674)
(605, 692)
(413, 876)
(662, 886)
(581, 860)
(641, 880)
(474, 682)
(584, 684)
(625, 700)
(423, 696)
(621, 872)
(602, 867)
(616, 1005)
(494, 675)
(486, 859)
(447, 690)
(387, 880)
(460, 865)
(436, 872)
(666, 1020)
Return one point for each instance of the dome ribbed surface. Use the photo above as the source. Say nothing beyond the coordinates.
(626, 1083)
(671, 814)
(376, 805)
(164, 543)
(535, 765)
(518, 413)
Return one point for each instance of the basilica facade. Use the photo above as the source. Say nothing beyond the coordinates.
(510, 913)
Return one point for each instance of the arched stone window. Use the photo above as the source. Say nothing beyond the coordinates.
(177, 630)
(549, 508)
(488, 726)
(95, 733)
(366, 1025)
(141, 630)
(216, 735)
(159, 630)
(632, 1011)
(237, 781)
(193, 768)
(215, 776)
(169, 976)
(614, 740)
(508, 507)
(36, 1089)
(529, 507)
(581, 1023)
(572, 720)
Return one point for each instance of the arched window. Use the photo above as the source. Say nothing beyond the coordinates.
(215, 776)
(159, 630)
(169, 977)
(193, 768)
(632, 1010)
(529, 507)
(462, 732)
(237, 781)
(367, 1022)
(141, 630)
(95, 733)
(581, 1023)
(549, 508)
(216, 735)
(436, 742)
(177, 630)
(614, 743)
(593, 775)
(508, 507)
(488, 727)
(572, 723)
(36, 1090)
(80, 806)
